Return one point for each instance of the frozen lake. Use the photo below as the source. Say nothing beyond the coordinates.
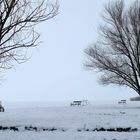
(70, 119)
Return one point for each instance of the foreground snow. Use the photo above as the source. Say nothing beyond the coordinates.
(71, 119)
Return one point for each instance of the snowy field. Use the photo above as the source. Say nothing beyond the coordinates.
(69, 120)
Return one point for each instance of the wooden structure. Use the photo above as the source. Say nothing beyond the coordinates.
(76, 103)
(79, 103)
(122, 102)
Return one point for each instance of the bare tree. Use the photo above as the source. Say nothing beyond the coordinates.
(17, 27)
(117, 53)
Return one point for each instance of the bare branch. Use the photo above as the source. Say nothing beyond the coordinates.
(17, 27)
(117, 55)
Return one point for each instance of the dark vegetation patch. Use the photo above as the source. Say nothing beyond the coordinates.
(29, 128)
(118, 129)
(34, 128)
(13, 128)
(52, 129)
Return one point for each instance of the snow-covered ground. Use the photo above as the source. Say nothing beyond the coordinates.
(70, 119)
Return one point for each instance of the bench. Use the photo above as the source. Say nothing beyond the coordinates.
(76, 103)
(122, 102)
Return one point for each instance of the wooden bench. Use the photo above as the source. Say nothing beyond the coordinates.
(122, 102)
(76, 103)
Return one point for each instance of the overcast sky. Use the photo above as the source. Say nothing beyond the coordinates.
(56, 72)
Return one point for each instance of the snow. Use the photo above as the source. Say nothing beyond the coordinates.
(70, 119)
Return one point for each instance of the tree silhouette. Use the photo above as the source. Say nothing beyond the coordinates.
(117, 52)
(17, 27)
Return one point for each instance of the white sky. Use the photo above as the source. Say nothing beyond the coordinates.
(56, 72)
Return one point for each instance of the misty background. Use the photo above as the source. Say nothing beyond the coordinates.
(56, 69)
